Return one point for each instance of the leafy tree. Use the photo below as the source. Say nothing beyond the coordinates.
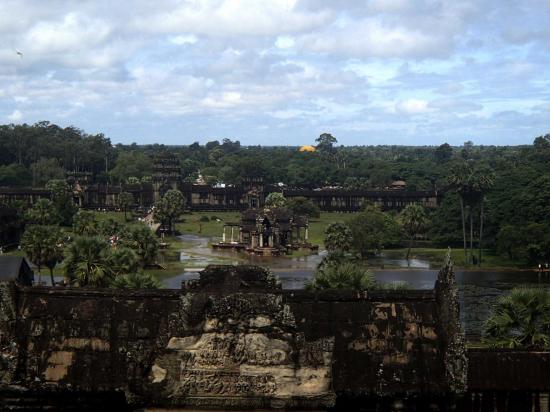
(510, 241)
(356, 183)
(42, 213)
(136, 280)
(413, 220)
(275, 200)
(343, 276)
(169, 208)
(43, 246)
(61, 196)
(443, 153)
(14, 175)
(520, 319)
(85, 223)
(125, 202)
(372, 230)
(303, 207)
(87, 262)
(45, 170)
(325, 143)
(131, 163)
(338, 238)
(143, 242)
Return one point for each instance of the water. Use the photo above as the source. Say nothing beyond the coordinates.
(478, 290)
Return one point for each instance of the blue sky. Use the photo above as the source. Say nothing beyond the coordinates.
(282, 71)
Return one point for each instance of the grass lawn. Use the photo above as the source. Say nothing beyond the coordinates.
(191, 224)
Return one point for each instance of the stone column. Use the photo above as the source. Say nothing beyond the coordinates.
(261, 236)
(307, 233)
(223, 236)
(231, 234)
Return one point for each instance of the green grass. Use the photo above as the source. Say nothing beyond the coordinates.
(191, 223)
(117, 216)
(317, 226)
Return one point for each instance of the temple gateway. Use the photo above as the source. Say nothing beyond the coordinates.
(267, 232)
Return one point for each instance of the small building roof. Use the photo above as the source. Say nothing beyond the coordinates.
(15, 268)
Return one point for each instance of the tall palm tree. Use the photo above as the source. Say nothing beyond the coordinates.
(87, 262)
(482, 180)
(413, 219)
(471, 183)
(520, 319)
(458, 181)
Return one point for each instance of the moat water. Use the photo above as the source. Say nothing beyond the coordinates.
(478, 289)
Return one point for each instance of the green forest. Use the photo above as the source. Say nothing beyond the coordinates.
(498, 195)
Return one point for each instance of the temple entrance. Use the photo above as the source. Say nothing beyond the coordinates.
(265, 232)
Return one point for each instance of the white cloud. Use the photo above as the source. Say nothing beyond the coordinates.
(15, 116)
(68, 35)
(285, 42)
(212, 67)
(183, 39)
(412, 106)
(234, 17)
(372, 38)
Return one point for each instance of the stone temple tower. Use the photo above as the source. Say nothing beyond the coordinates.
(166, 174)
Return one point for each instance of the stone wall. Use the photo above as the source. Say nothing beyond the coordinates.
(231, 339)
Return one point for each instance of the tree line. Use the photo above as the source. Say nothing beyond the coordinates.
(496, 197)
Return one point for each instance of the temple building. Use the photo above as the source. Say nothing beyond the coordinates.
(267, 232)
(251, 193)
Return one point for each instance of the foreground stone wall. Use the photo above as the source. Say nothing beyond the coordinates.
(231, 339)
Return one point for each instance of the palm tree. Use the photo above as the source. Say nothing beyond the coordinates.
(87, 261)
(53, 249)
(471, 183)
(125, 201)
(458, 181)
(414, 219)
(482, 180)
(42, 213)
(123, 260)
(136, 280)
(520, 319)
(346, 275)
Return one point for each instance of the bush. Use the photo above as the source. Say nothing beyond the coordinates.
(520, 319)
(204, 219)
(342, 276)
(136, 280)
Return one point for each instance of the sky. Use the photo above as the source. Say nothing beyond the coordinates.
(280, 72)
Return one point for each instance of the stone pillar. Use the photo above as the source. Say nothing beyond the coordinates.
(270, 241)
(231, 234)
(223, 236)
(307, 233)
(261, 236)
